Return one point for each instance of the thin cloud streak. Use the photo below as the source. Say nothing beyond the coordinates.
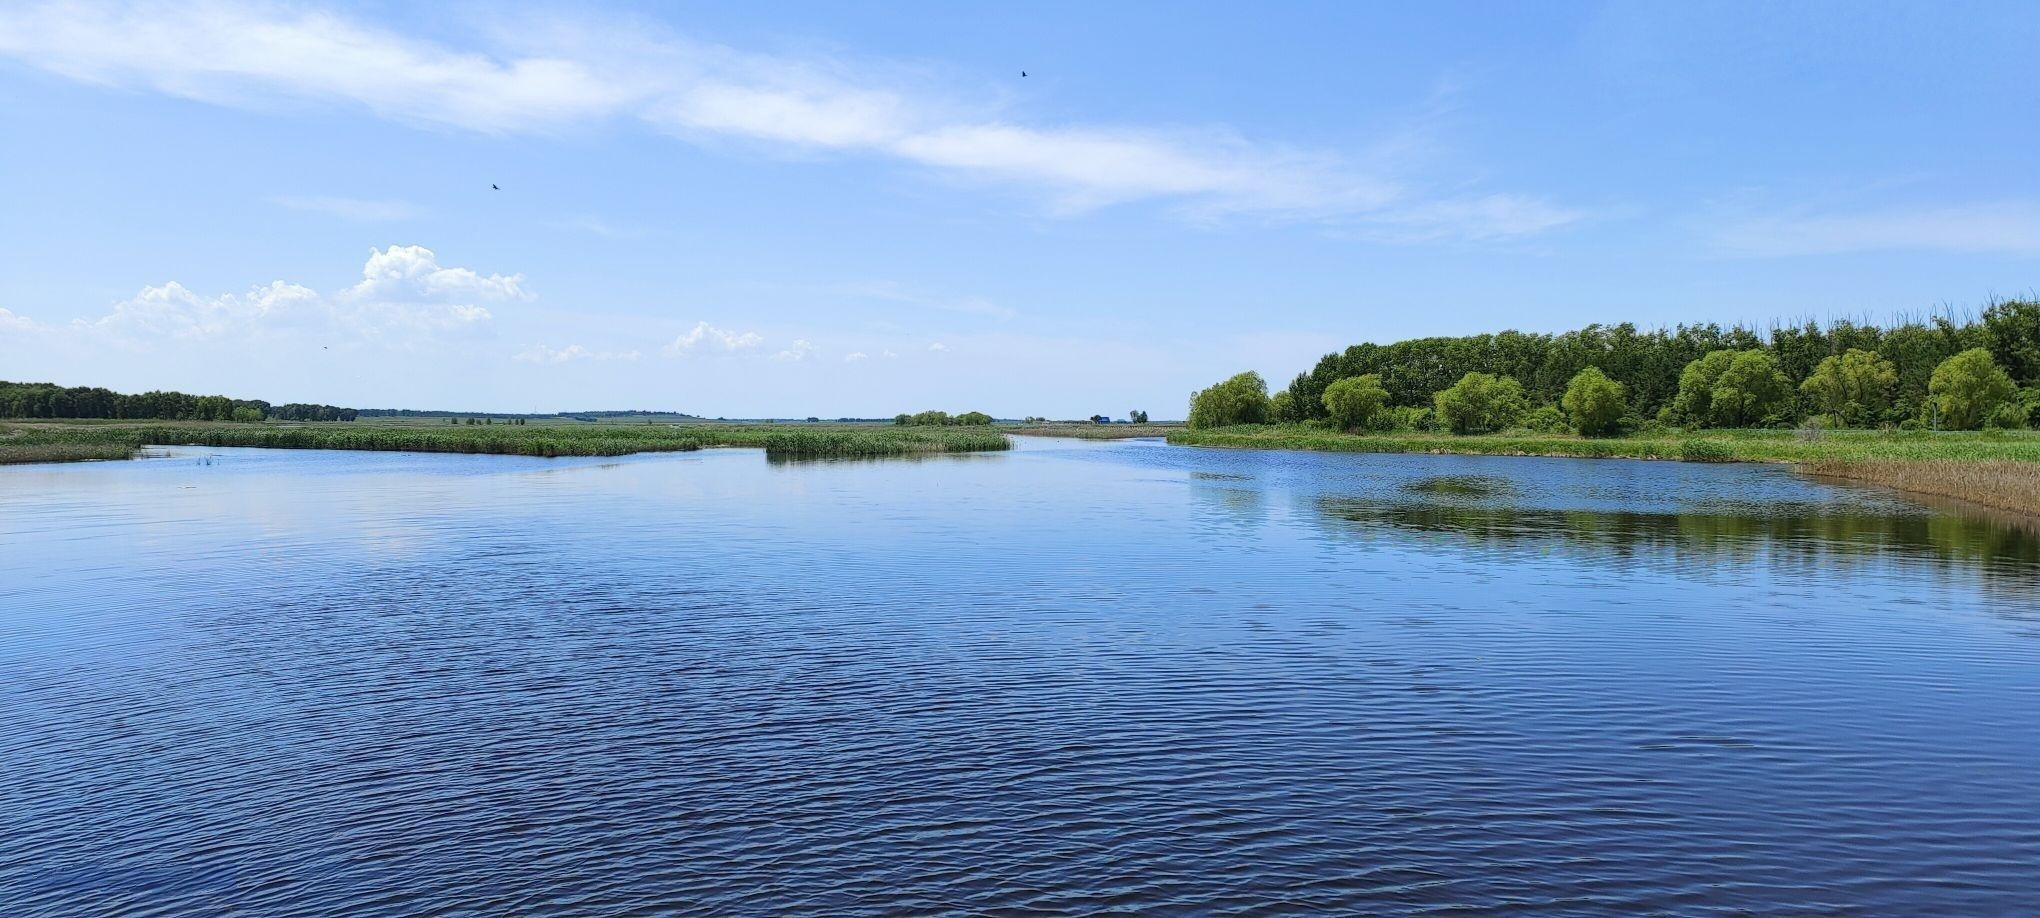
(2011, 229)
(356, 209)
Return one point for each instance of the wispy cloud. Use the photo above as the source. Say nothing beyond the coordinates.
(2004, 228)
(800, 349)
(539, 353)
(356, 209)
(704, 336)
(896, 292)
(551, 75)
(854, 356)
(938, 346)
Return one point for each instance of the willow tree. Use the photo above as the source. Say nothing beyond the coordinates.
(1243, 399)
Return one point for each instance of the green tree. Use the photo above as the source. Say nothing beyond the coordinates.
(1243, 399)
(1282, 408)
(1593, 402)
(248, 414)
(1137, 416)
(972, 418)
(1480, 402)
(2012, 328)
(1853, 388)
(1356, 401)
(1695, 402)
(1968, 389)
(1751, 391)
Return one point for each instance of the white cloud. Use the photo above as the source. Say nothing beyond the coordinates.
(854, 356)
(11, 321)
(394, 304)
(539, 353)
(2009, 228)
(413, 271)
(544, 76)
(357, 209)
(704, 335)
(938, 346)
(798, 350)
(888, 355)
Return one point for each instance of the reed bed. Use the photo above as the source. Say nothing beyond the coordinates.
(59, 441)
(2000, 484)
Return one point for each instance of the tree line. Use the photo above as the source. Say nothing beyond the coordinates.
(1937, 373)
(48, 400)
(943, 419)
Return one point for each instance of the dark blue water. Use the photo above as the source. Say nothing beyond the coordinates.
(1072, 677)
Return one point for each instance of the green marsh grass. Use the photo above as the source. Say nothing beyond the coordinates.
(62, 441)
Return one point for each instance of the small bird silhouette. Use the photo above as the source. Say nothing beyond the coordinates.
(1023, 73)
(493, 186)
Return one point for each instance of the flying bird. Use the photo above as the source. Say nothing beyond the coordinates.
(1023, 73)
(492, 185)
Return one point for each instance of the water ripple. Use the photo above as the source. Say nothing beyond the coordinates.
(1073, 678)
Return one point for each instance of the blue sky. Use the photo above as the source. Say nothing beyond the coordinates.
(845, 209)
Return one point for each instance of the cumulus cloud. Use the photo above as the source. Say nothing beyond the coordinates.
(404, 297)
(938, 346)
(413, 271)
(539, 353)
(11, 321)
(558, 73)
(800, 349)
(704, 336)
(854, 356)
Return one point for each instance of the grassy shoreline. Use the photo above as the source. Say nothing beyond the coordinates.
(1999, 470)
(60, 441)
(1095, 431)
(1694, 446)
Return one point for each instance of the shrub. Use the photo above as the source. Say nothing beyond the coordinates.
(1594, 403)
(1705, 451)
(1545, 419)
(1356, 401)
(1480, 402)
(1243, 399)
(1969, 389)
(1406, 417)
(2008, 416)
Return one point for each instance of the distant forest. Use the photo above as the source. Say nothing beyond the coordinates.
(1649, 364)
(48, 400)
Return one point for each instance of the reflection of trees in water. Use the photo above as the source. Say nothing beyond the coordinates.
(1240, 506)
(2004, 551)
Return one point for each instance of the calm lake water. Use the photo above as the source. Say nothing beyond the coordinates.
(1076, 676)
